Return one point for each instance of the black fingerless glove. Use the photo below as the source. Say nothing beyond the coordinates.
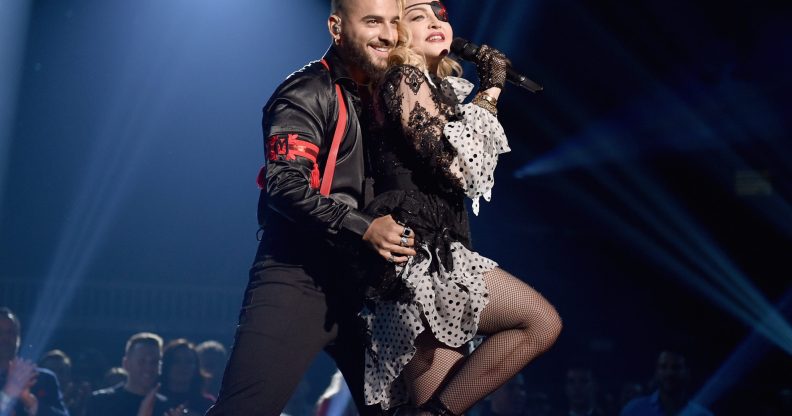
(491, 67)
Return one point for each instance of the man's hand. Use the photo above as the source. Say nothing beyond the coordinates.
(147, 404)
(29, 401)
(385, 237)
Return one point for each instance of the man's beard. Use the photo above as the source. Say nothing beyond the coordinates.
(357, 55)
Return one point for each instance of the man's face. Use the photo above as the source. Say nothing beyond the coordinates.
(671, 372)
(368, 34)
(142, 364)
(510, 396)
(9, 338)
(579, 387)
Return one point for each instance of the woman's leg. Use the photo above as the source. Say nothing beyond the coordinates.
(430, 366)
(521, 324)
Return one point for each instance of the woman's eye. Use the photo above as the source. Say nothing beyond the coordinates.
(417, 18)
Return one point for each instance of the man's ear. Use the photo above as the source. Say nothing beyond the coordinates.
(334, 27)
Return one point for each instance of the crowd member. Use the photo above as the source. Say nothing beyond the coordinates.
(24, 388)
(181, 380)
(213, 356)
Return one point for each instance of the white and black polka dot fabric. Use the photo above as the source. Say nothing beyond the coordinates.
(451, 302)
(478, 138)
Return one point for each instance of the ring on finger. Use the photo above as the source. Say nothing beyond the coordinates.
(391, 259)
(407, 232)
(403, 241)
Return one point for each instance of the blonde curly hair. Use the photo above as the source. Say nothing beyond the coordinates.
(403, 54)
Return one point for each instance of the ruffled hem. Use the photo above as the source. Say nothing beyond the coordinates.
(451, 302)
(478, 138)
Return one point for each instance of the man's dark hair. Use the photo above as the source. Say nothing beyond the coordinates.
(336, 6)
(147, 338)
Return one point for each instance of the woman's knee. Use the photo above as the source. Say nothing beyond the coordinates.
(542, 326)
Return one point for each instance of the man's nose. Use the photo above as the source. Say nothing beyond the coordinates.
(388, 35)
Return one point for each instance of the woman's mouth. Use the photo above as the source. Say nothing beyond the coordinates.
(436, 37)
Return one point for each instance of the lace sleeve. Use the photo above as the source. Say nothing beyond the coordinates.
(414, 103)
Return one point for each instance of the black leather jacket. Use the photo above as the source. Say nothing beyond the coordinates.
(305, 104)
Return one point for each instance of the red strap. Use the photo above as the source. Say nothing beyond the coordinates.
(309, 150)
(338, 137)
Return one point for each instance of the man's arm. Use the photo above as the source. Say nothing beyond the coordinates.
(290, 118)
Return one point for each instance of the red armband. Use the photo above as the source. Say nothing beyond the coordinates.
(288, 147)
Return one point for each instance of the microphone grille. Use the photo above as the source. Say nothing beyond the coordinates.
(457, 45)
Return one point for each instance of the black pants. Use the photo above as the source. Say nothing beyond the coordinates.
(297, 303)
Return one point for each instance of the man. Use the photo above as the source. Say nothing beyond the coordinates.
(671, 397)
(213, 356)
(509, 400)
(300, 298)
(142, 359)
(26, 390)
(581, 392)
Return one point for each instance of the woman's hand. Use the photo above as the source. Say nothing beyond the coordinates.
(491, 67)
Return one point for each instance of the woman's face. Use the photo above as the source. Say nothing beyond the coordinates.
(431, 36)
(183, 367)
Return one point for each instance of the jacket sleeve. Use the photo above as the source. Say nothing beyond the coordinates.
(49, 395)
(301, 109)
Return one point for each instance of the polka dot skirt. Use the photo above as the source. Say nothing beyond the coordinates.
(451, 302)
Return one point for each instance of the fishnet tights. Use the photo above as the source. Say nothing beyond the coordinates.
(520, 324)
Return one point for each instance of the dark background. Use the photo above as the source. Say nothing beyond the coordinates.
(647, 194)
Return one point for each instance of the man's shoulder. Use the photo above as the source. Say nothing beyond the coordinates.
(46, 384)
(311, 77)
(45, 375)
(638, 406)
(107, 392)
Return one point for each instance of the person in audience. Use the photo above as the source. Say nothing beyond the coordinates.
(24, 388)
(672, 396)
(580, 390)
(213, 357)
(181, 380)
(142, 359)
(75, 395)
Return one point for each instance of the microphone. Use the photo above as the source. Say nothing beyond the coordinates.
(467, 50)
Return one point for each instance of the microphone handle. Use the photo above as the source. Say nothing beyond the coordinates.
(467, 50)
(522, 81)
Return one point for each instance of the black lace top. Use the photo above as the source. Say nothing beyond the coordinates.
(410, 161)
(406, 138)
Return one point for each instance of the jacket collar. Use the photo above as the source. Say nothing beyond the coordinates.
(338, 70)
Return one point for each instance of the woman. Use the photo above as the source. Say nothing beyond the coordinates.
(181, 380)
(426, 152)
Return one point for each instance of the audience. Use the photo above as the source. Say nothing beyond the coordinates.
(671, 397)
(213, 357)
(24, 388)
(580, 389)
(142, 360)
(75, 394)
(181, 380)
